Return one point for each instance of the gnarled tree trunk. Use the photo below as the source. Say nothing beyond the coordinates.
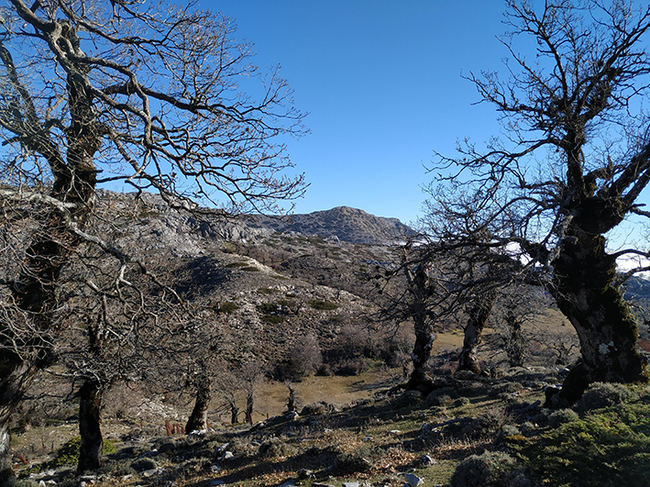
(585, 292)
(421, 288)
(515, 346)
(74, 181)
(424, 337)
(90, 449)
(478, 316)
(234, 413)
(6, 472)
(199, 416)
(250, 398)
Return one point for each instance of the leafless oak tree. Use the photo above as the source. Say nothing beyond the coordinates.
(153, 96)
(572, 165)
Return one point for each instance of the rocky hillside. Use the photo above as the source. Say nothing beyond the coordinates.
(343, 223)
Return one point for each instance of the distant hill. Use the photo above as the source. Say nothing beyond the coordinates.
(345, 223)
(637, 289)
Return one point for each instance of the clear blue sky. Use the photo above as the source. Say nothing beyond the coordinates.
(381, 81)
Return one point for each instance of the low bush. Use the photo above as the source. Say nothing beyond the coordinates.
(562, 416)
(268, 308)
(271, 319)
(604, 394)
(607, 448)
(227, 307)
(322, 305)
(68, 453)
(487, 470)
(274, 447)
(359, 460)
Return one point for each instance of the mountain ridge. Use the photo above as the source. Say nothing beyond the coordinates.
(341, 222)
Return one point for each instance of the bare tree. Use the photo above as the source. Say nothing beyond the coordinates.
(120, 92)
(479, 309)
(575, 158)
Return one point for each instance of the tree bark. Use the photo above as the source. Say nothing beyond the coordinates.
(199, 416)
(16, 376)
(34, 290)
(90, 449)
(421, 289)
(607, 330)
(478, 316)
(234, 413)
(420, 378)
(291, 399)
(249, 407)
(7, 478)
(515, 350)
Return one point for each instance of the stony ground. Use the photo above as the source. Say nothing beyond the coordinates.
(394, 439)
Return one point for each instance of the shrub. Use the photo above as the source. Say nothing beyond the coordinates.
(271, 319)
(462, 401)
(604, 394)
(228, 248)
(359, 460)
(274, 447)
(68, 453)
(227, 307)
(305, 355)
(322, 305)
(562, 416)
(350, 367)
(487, 470)
(268, 308)
(143, 464)
(609, 448)
(440, 397)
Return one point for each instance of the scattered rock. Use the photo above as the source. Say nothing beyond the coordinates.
(413, 480)
(304, 473)
(151, 472)
(426, 460)
(221, 449)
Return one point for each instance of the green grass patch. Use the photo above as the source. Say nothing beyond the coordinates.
(68, 454)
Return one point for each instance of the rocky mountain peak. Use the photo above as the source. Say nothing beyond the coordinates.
(343, 222)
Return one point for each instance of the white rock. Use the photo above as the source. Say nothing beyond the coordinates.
(413, 480)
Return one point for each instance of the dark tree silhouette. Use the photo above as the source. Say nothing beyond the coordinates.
(571, 166)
